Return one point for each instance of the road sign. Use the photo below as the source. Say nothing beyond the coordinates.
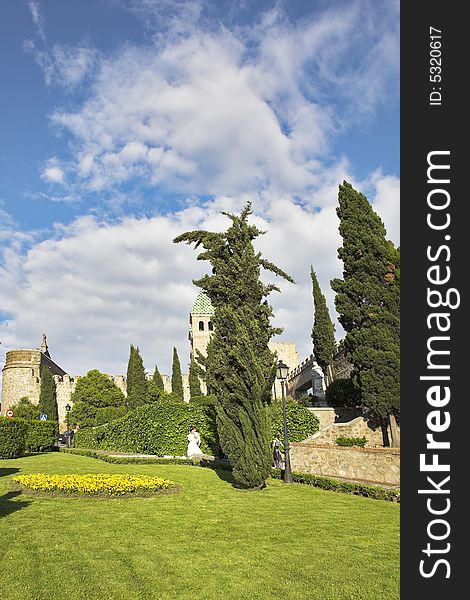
(43, 417)
(9, 413)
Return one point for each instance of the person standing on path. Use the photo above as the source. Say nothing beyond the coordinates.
(278, 463)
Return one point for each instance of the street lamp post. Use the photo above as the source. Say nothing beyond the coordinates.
(68, 408)
(281, 373)
(67, 422)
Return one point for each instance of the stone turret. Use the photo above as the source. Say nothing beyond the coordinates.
(200, 321)
(21, 375)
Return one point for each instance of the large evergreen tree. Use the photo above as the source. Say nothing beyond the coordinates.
(368, 305)
(137, 389)
(239, 367)
(48, 395)
(323, 332)
(194, 383)
(93, 393)
(158, 379)
(176, 377)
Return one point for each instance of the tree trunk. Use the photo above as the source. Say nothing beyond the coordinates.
(394, 432)
(385, 437)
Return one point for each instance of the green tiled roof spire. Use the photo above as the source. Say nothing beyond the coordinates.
(202, 305)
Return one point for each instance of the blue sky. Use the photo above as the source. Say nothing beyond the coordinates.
(126, 122)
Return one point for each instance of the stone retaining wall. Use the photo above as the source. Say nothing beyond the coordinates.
(328, 415)
(358, 427)
(374, 465)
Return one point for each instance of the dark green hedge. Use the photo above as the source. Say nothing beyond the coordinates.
(351, 441)
(348, 487)
(301, 423)
(12, 438)
(18, 436)
(162, 428)
(149, 460)
(40, 435)
(159, 428)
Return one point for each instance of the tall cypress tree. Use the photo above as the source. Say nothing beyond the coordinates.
(176, 377)
(239, 367)
(48, 395)
(323, 332)
(158, 379)
(194, 383)
(137, 389)
(368, 305)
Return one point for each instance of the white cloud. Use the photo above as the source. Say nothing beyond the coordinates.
(64, 66)
(37, 17)
(97, 287)
(228, 111)
(53, 174)
(387, 203)
(238, 114)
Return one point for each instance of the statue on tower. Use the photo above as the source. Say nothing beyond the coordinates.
(44, 348)
(318, 383)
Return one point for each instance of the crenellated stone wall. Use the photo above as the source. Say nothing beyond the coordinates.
(21, 377)
(65, 386)
(370, 465)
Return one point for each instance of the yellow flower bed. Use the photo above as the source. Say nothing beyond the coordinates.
(94, 484)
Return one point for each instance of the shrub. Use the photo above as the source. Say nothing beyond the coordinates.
(208, 400)
(351, 441)
(306, 400)
(25, 409)
(159, 428)
(18, 436)
(341, 392)
(94, 484)
(109, 413)
(301, 423)
(40, 436)
(12, 438)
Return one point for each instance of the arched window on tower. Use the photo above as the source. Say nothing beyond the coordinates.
(201, 325)
(211, 327)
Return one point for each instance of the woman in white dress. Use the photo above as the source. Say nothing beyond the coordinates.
(194, 441)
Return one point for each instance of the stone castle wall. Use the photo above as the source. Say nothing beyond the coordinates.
(21, 377)
(287, 352)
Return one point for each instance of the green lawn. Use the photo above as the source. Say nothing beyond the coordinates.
(209, 541)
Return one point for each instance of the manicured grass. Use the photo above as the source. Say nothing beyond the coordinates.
(209, 541)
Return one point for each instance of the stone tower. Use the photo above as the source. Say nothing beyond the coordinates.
(21, 375)
(200, 320)
(200, 324)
